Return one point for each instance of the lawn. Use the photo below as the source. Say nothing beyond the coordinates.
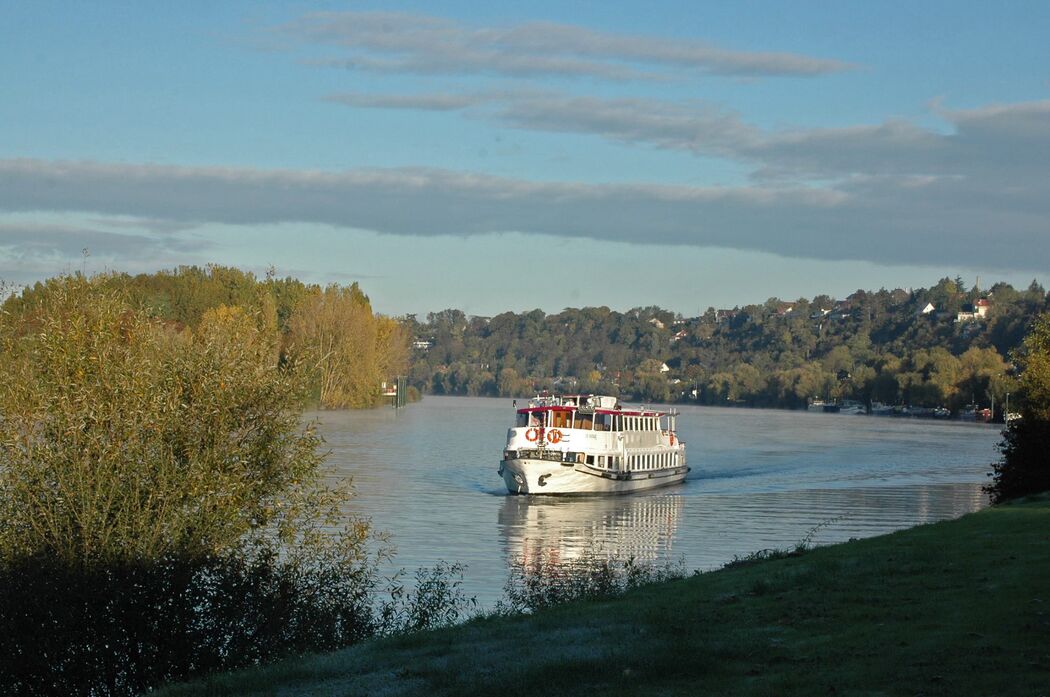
(954, 608)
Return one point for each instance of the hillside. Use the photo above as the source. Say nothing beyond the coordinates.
(938, 346)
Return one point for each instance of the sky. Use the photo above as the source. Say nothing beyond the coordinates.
(510, 156)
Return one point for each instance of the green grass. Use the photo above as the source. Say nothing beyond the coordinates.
(960, 607)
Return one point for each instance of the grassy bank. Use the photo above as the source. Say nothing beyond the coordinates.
(960, 607)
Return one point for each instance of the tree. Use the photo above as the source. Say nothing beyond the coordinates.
(163, 511)
(351, 351)
(123, 439)
(1025, 465)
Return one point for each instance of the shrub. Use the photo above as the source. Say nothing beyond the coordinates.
(1025, 465)
(544, 580)
(123, 627)
(162, 508)
(436, 601)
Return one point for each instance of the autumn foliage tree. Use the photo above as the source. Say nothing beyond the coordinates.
(349, 349)
(163, 510)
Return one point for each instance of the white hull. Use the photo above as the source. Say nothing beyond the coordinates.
(531, 476)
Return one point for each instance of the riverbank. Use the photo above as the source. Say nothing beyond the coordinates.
(958, 607)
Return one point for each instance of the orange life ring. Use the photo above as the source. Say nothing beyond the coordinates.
(532, 435)
(554, 436)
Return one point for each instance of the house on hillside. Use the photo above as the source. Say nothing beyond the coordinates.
(679, 335)
(656, 323)
(724, 315)
(976, 311)
(927, 309)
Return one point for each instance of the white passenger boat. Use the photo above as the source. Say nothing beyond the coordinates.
(590, 444)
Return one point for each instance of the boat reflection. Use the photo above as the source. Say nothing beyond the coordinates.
(559, 529)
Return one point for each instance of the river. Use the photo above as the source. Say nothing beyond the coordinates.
(760, 479)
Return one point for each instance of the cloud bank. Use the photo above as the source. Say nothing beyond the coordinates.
(948, 221)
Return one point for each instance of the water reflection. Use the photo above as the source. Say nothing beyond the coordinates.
(566, 529)
(707, 530)
(760, 479)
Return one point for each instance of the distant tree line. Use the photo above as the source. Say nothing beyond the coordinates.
(872, 346)
(349, 349)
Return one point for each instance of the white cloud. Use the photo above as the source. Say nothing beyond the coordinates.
(394, 42)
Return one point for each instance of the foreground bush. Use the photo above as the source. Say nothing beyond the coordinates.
(1025, 465)
(547, 580)
(162, 509)
(124, 627)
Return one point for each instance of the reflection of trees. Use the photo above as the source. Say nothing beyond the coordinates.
(567, 529)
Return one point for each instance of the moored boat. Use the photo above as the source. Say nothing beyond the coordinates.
(590, 444)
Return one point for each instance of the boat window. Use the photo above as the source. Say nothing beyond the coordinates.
(522, 420)
(590, 459)
(536, 418)
(602, 422)
(560, 419)
(584, 421)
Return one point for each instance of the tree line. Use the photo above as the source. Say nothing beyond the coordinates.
(872, 346)
(349, 350)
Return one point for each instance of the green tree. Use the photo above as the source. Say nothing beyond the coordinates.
(124, 439)
(1025, 465)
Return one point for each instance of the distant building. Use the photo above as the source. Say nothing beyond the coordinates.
(664, 368)
(422, 344)
(969, 313)
(724, 315)
(679, 335)
(927, 309)
(656, 323)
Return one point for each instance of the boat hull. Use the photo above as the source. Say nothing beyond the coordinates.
(533, 476)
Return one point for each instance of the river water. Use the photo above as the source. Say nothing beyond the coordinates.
(760, 479)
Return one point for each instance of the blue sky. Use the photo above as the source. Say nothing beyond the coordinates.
(508, 156)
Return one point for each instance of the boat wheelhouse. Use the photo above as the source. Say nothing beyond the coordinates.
(580, 444)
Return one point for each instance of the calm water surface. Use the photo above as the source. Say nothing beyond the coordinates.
(760, 479)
